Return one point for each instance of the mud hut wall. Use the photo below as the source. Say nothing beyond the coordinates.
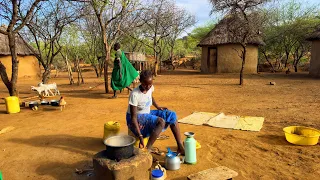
(314, 69)
(204, 60)
(230, 62)
(28, 66)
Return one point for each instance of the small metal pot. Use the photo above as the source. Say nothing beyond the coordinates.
(119, 147)
(54, 102)
(44, 102)
(33, 104)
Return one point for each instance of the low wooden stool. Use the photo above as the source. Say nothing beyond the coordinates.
(218, 173)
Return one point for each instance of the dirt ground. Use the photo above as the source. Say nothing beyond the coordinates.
(49, 144)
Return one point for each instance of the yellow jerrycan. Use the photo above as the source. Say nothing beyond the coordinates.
(12, 104)
(111, 128)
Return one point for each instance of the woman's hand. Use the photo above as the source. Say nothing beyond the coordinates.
(141, 143)
(162, 108)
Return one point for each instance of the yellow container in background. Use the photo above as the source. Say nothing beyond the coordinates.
(136, 144)
(111, 128)
(12, 104)
(300, 135)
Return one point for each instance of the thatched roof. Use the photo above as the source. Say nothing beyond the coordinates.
(22, 47)
(314, 36)
(230, 31)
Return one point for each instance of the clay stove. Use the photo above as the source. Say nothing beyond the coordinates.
(134, 168)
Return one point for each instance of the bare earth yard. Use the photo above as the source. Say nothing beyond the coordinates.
(49, 144)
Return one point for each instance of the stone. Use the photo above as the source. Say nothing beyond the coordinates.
(134, 168)
(273, 83)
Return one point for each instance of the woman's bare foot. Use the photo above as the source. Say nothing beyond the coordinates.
(113, 97)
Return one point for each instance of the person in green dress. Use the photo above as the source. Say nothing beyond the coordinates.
(123, 73)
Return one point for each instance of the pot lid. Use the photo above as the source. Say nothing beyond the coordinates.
(189, 134)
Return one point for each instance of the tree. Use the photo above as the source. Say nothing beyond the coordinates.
(285, 30)
(157, 20)
(181, 20)
(157, 28)
(248, 26)
(46, 28)
(74, 49)
(17, 17)
(188, 44)
(132, 43)
(111, 15)
(92, 47)
(200, 32)
(305, 26)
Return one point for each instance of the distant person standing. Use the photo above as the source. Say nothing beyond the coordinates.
(123, 73)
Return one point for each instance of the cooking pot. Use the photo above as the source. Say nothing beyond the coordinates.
(172, 161)
(54, 102)
(33, 104)
(44, 102)
(119, 147)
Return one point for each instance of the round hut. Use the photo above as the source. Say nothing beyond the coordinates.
(314, 69)
(28, 63)
(221, 48)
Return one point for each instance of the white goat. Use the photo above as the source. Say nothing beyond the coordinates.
(50, 86)
(42, 90)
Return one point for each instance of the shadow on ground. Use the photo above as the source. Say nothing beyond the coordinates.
(74, 144)
(180, 178)
(3, 112)
(63, 171)
(180, 72)
(95, 95)
(273, 139)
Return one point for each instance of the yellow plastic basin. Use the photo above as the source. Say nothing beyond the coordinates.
(300, 135)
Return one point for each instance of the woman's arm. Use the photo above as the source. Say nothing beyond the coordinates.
(118, 57)
(154, 103)
(120, 67)
(133, 112)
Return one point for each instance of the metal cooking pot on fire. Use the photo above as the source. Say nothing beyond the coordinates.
(119, 147)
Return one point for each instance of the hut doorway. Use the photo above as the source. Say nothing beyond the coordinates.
(212, 60)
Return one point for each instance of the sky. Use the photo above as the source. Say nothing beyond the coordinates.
(201, 9)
